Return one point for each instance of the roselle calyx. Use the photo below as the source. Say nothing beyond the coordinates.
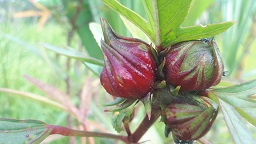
(190, 118)
(194, 65)
(129, 69)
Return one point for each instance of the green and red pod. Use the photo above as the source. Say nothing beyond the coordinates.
(129, 69)
(194, 65)
(190, 118)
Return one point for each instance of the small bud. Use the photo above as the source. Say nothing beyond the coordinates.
(190, 118)
(194, 65)
(129, 70)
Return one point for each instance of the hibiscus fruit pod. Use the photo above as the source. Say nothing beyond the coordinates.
(129, 69)
(194, 65)
(190, 118)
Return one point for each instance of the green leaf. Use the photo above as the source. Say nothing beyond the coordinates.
(223, 84)
(37, 98)
(23, 43)
(235, 102)
(164, 17)
(238, 97)
(129, 114)
(198, 32)
(131, 16)
(22, 131)
(135, 31)
(168, 16)
(237, 127)
(242, 90)
(150, 15)
(196, 10)
(97, 32)
(117, 120)
(73, 54)
(164, 21)
(249, 114)
(96, 69)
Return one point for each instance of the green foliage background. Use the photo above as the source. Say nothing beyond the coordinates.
(22, 53)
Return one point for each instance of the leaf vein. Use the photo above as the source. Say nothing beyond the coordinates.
(224, 108)
(164, 5)
(173, 16)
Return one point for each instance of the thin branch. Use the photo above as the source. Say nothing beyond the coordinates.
(68, 65)
(145, 125)
(70, 132)
(127, 129)
(203, 141)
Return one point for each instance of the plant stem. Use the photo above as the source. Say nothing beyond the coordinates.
(127, 129)
(203, 141)
(67, 79)
(144, 126)
(157, 27)
(70, 132)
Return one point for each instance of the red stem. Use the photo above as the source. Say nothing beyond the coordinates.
(127, 129)
(134, 137)
(203, 141)
(70, 132)
(144, 126)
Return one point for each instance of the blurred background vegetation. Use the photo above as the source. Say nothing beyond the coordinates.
(36, 83)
